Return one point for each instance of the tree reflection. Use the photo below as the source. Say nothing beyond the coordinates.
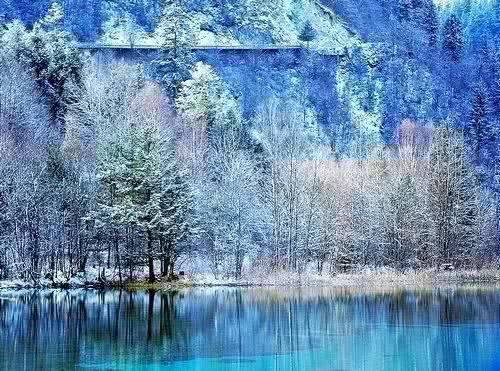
(63, 329)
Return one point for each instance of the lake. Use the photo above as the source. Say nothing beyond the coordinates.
(228, 329)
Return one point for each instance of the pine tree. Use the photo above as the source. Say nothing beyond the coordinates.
(145, 185)
(308, 33)
(46, 51)
(496, 84)
(496, 25)
(177, 208)
(405, 9)
(453, 40)
(175, 61)
(479, 130)
(105, 217)
(130, 173)
(430, 21)
(54, 18)
(204, 101)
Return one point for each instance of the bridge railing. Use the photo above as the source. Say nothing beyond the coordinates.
(198, 47)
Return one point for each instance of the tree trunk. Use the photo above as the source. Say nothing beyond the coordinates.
(108, 264)
(171, 269)
(164, 258)
(151, 267)
(117, 252)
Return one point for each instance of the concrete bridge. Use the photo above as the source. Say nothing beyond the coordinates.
(278, 57)
(256, 47)
(252, 72)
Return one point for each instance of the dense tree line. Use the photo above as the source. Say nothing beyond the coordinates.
(104, 169)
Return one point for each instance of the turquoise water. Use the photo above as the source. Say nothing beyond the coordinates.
(227, 329)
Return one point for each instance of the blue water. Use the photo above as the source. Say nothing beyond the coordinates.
(227, 329)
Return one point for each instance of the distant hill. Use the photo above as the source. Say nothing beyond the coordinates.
(215, 22)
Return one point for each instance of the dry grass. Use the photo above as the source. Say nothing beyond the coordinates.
(369, 278)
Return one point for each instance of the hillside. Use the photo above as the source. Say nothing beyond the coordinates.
(245, 22)
(228, 22)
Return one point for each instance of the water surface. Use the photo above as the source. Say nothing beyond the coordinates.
(227, 329)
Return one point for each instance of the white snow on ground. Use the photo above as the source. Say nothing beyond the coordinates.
(91, 277)
(278, 279)
(11, 284)
(207, 38)
(367, 277)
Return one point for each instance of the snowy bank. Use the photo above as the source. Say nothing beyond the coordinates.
(368, 278)
(363, 278)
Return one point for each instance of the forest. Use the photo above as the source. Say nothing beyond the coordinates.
(103, 167)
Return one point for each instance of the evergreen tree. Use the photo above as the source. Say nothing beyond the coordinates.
(132, 188)
(479, 130)
(496, 25)
(405, 9)
(46, 51)
(430, 21)
(204, 101)
(177, 205)
(145, 185)
(29, 11)
(105, 217)
(175, 61)
(308, 33)
(453, 39)
(83, 18)
(496, 84)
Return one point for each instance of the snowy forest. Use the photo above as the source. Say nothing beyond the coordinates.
(146, 169)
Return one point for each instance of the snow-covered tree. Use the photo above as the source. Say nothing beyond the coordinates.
(453, 198)
(453, 38)
(405, 9)
(279, 129)
(430, 21)
(122, 31)
(479, 130)
(178, 210)
(197, 98)
(308, 33)
(175, 61)
(54, 19)
(131, 173)
(233, 215)
(47, 51)
(207, 109)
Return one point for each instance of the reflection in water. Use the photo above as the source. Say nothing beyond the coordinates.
(250, 329)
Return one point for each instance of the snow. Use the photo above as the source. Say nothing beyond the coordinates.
(208, 38)
(90, 278)
(262, 279)
(11, 284)
(283, 22)
(366, 277)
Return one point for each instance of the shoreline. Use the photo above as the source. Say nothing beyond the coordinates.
(366, 279)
